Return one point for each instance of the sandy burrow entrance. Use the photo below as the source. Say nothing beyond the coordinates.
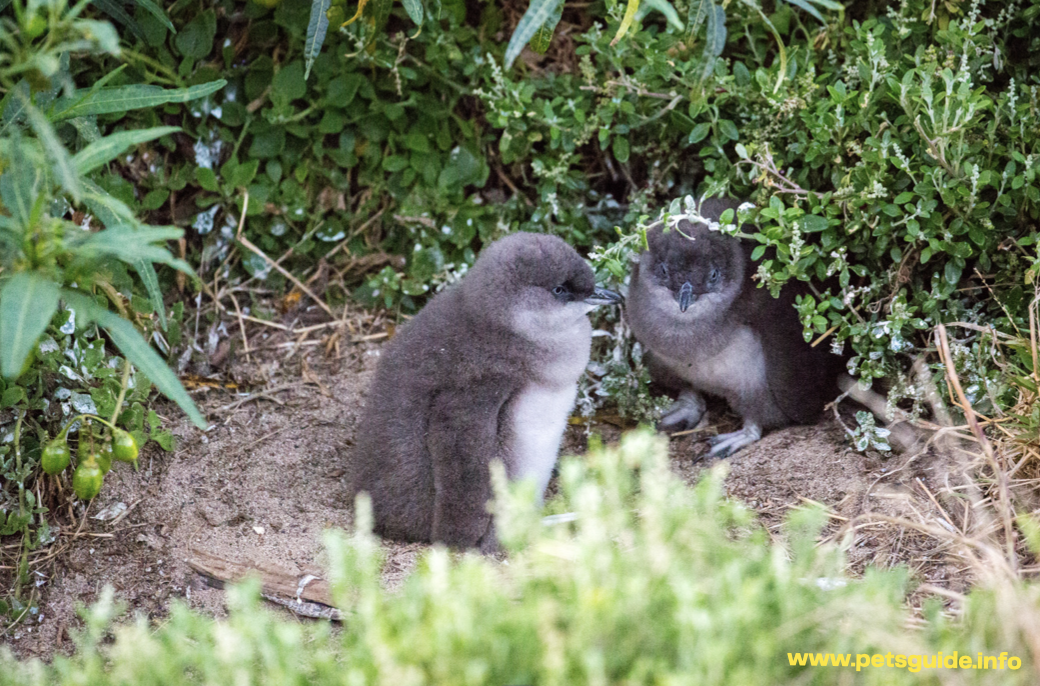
(267, 478)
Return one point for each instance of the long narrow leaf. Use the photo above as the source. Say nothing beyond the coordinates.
(115, 9)
(716, 38)
(12, 107)
(61, 164)
(20, 185)
(137, 350)
(108, 210)
(124, 98)
(150, 279)
(697, 15)
(626, 21)
(27, 303)
(808, 8)
(100, 153)
(538, 12)
(716, 31)
(134, 243)
(543, 37)
(316, 29)
(665, 8)
(157, 12)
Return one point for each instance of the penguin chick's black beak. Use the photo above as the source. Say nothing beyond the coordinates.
(686, 296)
(601, 296)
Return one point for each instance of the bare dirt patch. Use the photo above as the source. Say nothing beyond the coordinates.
(264, 482)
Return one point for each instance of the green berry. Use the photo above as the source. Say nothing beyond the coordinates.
(35, 26)
(86, 480)
(124, 446)
(56, 456)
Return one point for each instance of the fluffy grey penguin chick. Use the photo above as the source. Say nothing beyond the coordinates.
(710, 329)
(488, 370)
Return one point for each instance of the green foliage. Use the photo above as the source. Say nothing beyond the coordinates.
(649, 582)
(59, 275)
(858, 139)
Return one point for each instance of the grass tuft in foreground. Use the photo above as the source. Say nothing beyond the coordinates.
(653, 582)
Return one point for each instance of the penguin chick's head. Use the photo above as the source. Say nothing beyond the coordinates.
(701, 270)
(533, 281)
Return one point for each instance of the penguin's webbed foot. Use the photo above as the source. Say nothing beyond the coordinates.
(725, 445)
(685, 413)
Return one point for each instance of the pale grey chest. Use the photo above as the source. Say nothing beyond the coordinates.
(737, 368)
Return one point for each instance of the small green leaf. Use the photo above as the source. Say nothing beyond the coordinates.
(728, 129)
(812, 223)
(289, 83)
(621, 149)
(207, 179)
(394, 163)
(27, 302)
(12, 396)
(699, 133)
(195, 40)
(414, 9)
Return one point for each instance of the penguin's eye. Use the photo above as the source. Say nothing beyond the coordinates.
(561, 292)
(713, 277)
(662, 270)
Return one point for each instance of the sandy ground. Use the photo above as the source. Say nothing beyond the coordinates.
(266, 480)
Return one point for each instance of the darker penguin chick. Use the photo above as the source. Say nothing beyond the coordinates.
(709, 329)
(488, 370)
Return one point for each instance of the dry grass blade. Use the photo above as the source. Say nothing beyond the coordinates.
(1004, 510)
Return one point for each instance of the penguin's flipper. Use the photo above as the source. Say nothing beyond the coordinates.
(462, 438)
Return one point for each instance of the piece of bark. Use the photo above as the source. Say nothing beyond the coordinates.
(305, 594)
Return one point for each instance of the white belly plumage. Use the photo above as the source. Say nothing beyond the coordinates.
(539, 418)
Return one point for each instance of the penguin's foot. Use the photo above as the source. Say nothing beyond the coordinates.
(725, 445)
(685, 413)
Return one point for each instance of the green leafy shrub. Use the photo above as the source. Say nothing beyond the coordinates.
(891, 150)
(893, 153)
(69, 250)
(651, 582)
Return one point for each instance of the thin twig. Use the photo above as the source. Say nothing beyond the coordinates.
(284, 272)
